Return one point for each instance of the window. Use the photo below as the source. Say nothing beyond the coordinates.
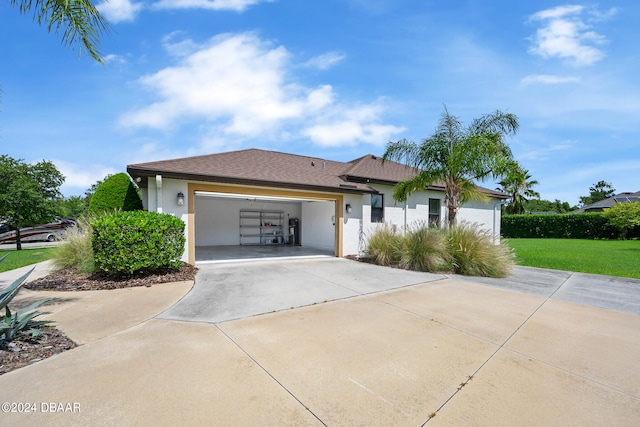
(434, 212)
(377, 208)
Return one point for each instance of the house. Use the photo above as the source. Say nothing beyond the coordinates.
(608, 202)
(258, 197)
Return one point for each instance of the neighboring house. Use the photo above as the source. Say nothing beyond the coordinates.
(264, 197)
(608, 202)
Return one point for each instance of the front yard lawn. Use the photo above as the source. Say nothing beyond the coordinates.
(17, 259)
(609, 257)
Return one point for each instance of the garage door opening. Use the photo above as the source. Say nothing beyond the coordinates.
(253, 226)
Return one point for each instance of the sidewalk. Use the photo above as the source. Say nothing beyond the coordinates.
(40, 269)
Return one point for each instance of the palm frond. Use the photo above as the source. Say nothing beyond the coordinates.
(496, 122)
(402, 151)
(79, 20)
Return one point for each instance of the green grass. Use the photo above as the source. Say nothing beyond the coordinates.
(17, 259)
(609, 257)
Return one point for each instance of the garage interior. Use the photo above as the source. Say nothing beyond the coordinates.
(245, 226)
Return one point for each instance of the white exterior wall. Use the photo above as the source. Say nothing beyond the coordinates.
(486, 215)
(358, 225)
(406, 214)
(353, 240)
(317, 225)
(168, 193)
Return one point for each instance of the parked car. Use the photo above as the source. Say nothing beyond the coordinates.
(51, 232)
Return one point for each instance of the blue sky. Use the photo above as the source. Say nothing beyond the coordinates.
(335, 79)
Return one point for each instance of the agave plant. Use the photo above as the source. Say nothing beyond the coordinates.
(22, 320)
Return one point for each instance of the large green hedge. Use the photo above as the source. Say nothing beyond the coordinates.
(567, 226)
(116, 193)
(126, 242)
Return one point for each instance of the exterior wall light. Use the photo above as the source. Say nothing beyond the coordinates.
(348, 207)
(180, 199)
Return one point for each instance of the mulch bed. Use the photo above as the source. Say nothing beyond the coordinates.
(24, 350)
(68, 280)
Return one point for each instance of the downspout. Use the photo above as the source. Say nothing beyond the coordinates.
(159, 193)
(406, 207)
(493, 233)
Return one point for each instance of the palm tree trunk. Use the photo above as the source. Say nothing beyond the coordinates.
(453, 203)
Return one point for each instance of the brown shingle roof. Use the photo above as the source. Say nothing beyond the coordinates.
(271, 168)
(256, 167)
(371, 168)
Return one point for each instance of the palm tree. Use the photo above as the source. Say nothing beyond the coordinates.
(456, 156)
(80, 21)
(518, 183)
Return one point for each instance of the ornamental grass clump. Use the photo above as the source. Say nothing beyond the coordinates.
(475, 254)
(76, 253)
(463, 249)
(425, 249)
(385, 245)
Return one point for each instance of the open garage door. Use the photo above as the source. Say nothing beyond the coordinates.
(242, 222)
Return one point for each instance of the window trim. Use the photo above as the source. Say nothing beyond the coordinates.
(377, 213)
(439, 214)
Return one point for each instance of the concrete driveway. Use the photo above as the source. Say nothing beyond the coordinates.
(237, 290)
(392, 348)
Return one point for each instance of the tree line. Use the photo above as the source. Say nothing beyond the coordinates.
(30, 194)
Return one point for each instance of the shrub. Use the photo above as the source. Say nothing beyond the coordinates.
(127, 242)
(11, 324)
(384, 245)
(567, 226)
(75, 252)
(116, 193)
(425, 249)
(623, 216)
(475, 254)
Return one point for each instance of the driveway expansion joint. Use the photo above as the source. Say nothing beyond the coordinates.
(258, 364)
(500, 347)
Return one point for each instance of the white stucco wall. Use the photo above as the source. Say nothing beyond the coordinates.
(358, 225)
(486, 215)
(169, 190)
(317, 225)
(353, 240)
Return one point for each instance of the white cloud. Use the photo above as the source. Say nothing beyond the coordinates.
(558, 12)
(79, 178)
(178, 45)
(548, 79)
(325, 61)
(351, 125)
(114, 59)
(566, 33)
(543, 153)
(240, 86)
(233, 5)
(119, 10)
